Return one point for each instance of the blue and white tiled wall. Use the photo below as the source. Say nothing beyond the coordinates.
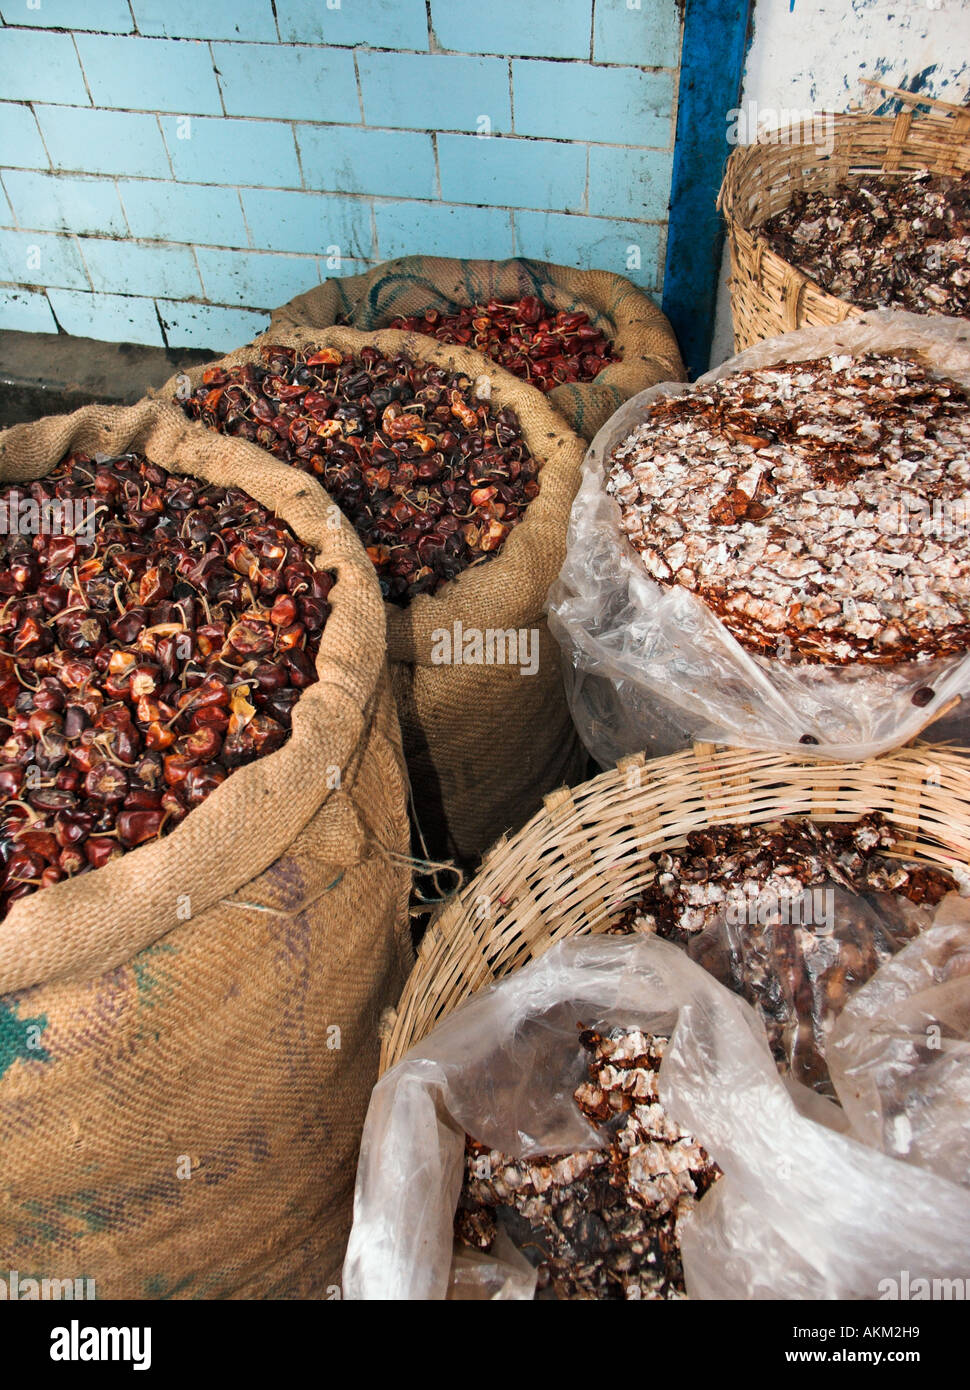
(172, 169)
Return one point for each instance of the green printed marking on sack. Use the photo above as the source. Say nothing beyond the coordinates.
(155, 985)
(20, 1038)
(68, 1216)
(159, 1286)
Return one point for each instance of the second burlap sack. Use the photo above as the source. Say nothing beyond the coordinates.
(483, 742)
(639, 331)
(189, 1035)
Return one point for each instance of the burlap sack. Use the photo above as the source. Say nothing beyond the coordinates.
(483, 743)
(189, 1035)
(640, 332)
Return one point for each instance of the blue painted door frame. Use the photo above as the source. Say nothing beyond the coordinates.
(716, 38)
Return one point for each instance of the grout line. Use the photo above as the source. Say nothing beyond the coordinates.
(344, 125)
(168, 152)
(242, 209)
(40, 132)
(146, 244)
(84, 76)
(121, 201)
(299, 159)
(437, 166)
(218, 77)
(360, 90)
(75, 241)
(57, 323)
(161, 324)
(436, 51)
(198, 269)
(433, 45)
(375, 201)
(328, 193)
(84, 264)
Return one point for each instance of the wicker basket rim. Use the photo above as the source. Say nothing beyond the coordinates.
(570, 868)
(770, 295)
(843, 120)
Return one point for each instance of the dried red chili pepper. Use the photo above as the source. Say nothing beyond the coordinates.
(543, 346)
(403, 447)
(117, 678)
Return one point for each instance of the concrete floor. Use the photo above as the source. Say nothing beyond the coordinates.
(53, 373)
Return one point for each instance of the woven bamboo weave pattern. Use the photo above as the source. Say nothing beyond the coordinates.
(584, 855)
(769, 296)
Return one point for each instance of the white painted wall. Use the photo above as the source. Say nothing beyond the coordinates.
(813, 53)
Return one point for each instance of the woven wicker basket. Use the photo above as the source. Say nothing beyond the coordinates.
(575, 864)
(768, 295)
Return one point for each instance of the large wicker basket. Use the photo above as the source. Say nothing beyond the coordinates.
(574, 865)
(768, 295)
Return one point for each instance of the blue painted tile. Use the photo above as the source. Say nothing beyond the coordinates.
(111, 318)
(179, 212)
(627, 248)
(209, 325)
(51, 202)
(20, 144)
(379, 23)
(40, 67)
(347, 159)
(646, 36)
(616, 106)
(127, 267)
(512, 173)
(25, 311)
(232, 152)
(304, 84)
(438, 229)
(309, 222)
(35, 258)
(150, 74)
(629, 183)
(215, 19)
(256, 279)
(542, 28)
(103, 142)
(105, 16)
(433, 91)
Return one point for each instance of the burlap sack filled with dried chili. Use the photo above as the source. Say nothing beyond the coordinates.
(644, 349)
(476, 676)
(189, 1034)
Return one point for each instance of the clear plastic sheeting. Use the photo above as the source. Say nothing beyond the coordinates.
(649, 668)
(802, 1211)
(798, 960)
(900, 1051)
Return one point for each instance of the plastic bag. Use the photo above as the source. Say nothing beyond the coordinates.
(797, 961)
(900, 1051)
(802, 1210)
(797, 957)
(652, 669)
